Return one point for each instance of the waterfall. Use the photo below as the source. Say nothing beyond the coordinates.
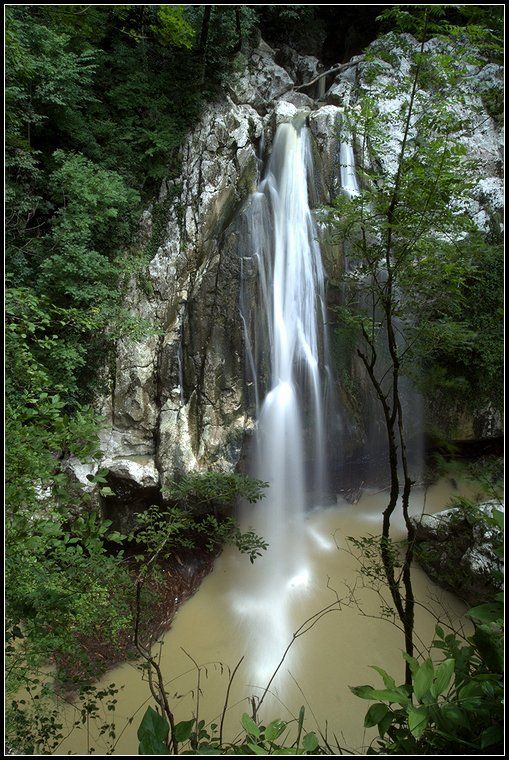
(284, 322)
(349, 183)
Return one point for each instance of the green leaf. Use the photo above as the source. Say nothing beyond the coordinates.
(250, 726)
(310, 742)
(488, 640)
(492, 735)
(487, 613)
(498, 518)
(183, 730)
(364, 692)
(388, 695)
(443, 675)
(256, 749)
(274, 730)
(375, 714)
(422, 679)
(452, 714)
(302, 712)
(417, 721)
(153, 734)
(385, 723)
(116, 537)
(389, 682)
(414, 665)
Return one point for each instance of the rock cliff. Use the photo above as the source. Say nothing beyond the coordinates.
(178, 400)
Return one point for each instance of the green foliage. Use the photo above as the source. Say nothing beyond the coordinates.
(211, 491)
(153, 734)
(368, 552)
(161, 531)
(461, 346)
(60, 582)
(231, 31)
(98, 100)
(197, 517)
(257, 739)
(33, 720)
(415, 255)
(482, 26)
(456, 702)
(65, 583)
(172, 27)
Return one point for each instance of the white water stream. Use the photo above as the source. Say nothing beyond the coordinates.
(349, 182)
(289, 318)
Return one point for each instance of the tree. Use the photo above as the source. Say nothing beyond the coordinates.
(98, 101)
(411, 243)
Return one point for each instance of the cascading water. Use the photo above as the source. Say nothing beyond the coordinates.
(287, 325)
(349, 182)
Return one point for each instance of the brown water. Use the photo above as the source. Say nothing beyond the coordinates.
(334, 654)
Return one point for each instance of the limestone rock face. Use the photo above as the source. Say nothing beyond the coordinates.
(177, 400)
(177, 397)
(324, 124)
(302, 68)
(458, 550)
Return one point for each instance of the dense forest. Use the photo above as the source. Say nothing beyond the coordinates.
(100, 101)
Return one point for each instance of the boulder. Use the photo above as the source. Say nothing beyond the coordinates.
(262, 81)
(458, 549)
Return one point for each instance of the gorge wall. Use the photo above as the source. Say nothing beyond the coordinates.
(178, 399)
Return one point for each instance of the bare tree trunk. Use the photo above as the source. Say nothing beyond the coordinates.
(391, 405)
(334, 70)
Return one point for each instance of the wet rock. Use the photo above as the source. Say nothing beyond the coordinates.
(141, 471)
(488, 423)
(481, 135)
(324, 124)
(458, 550)
(283, 112)
(298, 99)
(177, 394)
(339, 92)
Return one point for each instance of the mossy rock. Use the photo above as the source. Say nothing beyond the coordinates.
(459, 548)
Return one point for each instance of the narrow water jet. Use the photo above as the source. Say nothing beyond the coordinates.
(349, 183)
